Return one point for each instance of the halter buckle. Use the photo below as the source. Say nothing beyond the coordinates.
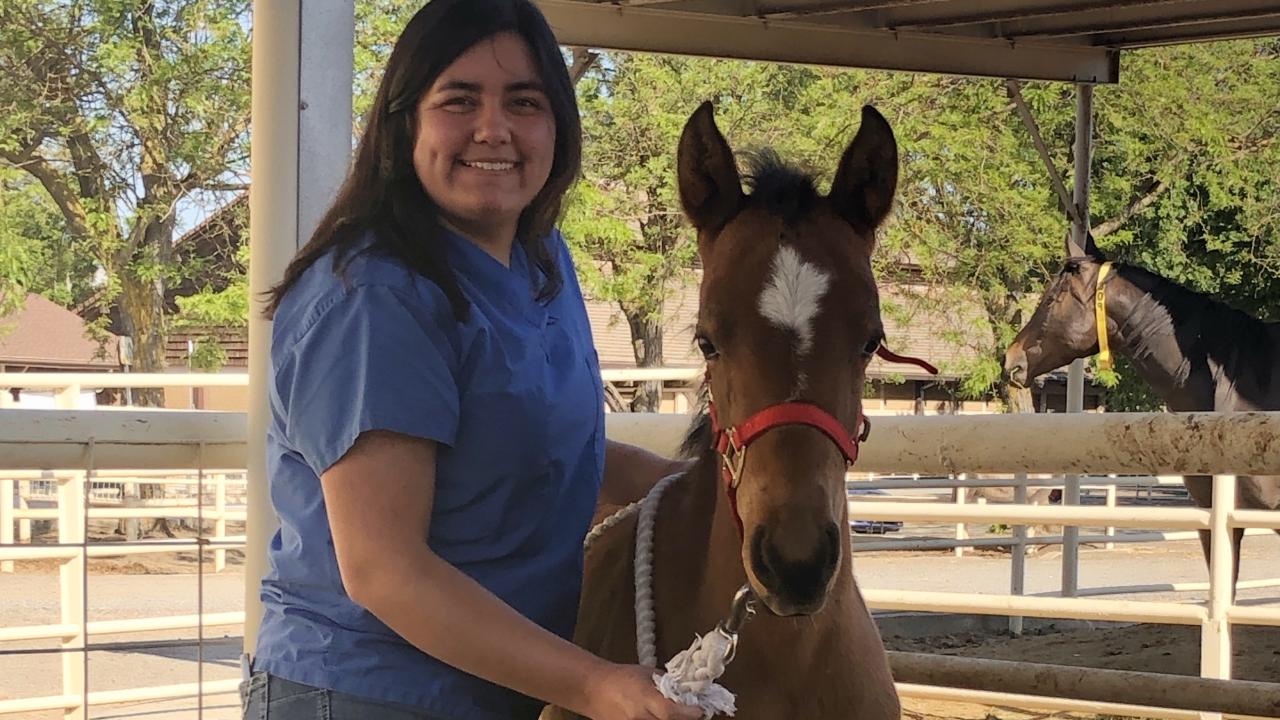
(734, 456)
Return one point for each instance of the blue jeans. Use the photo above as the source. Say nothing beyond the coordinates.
(267, 697)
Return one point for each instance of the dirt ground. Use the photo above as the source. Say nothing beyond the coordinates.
(1149, 648)
(1171, 649)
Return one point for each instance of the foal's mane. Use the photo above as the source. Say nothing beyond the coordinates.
(779, 188)
(698, 439)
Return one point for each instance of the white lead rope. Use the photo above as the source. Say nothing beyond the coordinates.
(691, 674)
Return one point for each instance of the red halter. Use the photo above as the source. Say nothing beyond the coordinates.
(732, 442)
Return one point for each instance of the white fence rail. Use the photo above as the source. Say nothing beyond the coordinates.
(73, 452)
(120, 496)
(1127, 444)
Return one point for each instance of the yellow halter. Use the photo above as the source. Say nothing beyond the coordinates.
(1100, 313)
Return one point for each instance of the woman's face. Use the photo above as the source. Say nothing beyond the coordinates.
(486, 137)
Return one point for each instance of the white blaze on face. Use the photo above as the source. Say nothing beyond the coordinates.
(792, 297)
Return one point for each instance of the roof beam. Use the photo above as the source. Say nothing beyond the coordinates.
(663, 31)
(1019, 11)
(1233, 30)
(802, 8)
(1119, 22)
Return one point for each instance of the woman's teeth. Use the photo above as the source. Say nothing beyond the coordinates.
(493, 166)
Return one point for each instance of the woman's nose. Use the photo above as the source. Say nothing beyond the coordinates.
(493, 127)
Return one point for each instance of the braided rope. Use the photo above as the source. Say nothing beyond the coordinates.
(646, 634)
(608, 523)
(690, 676)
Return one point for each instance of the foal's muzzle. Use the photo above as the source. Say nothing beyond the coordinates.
(795, 586)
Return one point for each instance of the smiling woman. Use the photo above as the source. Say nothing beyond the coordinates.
(436, 447)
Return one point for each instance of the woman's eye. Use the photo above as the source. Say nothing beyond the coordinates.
(527, 104)
(708, 349)
(457, 104)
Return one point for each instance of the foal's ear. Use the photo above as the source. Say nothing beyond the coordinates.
(862, 191)
(710, 189)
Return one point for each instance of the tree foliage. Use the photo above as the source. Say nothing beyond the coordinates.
(123, 110)
(35, 254)
(116, 113)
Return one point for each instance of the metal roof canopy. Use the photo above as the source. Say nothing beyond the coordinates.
(1067, 40)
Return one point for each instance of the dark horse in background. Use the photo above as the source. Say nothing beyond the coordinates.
(1196, 353)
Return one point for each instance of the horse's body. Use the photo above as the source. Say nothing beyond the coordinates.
(786, 271)
(1035, 496)
(1197, 354)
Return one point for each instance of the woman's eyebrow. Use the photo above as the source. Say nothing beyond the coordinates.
(468, 86)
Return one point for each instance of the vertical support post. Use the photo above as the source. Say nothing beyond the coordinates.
(220, 524)
(68, 397)
(71, 589)
(1018, 554)
(1111, 505)
(1215, 635)
(962, 530)
(6, 519)
(303, 53)
(132, 499)
(1075, 374)
(24, 524)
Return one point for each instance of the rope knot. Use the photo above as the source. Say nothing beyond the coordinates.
(691, 675)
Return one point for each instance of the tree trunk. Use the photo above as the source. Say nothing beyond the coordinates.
(142, 281)
(646, 343)
(142, 303)
(1016, 400)
(1005, 310)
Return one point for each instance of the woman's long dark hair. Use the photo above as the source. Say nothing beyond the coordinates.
(382, 194)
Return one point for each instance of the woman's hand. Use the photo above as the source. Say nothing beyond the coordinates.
(627, 692)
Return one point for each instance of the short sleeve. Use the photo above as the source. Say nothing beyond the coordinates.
(376, 359)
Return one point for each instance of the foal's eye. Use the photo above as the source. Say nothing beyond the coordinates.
(708, 349)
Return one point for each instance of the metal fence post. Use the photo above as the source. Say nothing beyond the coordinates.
(220, 524)
(71, 590)
(962, 531)
(6, 519)
(1215, 634)
(1018, 554)
(1111, 505)
(24, 524)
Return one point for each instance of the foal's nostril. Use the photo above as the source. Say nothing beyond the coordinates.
(833, 546)
(761, 560)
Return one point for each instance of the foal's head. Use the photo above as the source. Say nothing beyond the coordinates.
(1063, 326)
(789, 313)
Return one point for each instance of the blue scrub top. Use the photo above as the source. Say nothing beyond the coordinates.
(512, 395)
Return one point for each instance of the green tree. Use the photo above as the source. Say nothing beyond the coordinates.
(122, 110)
(34, 256)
